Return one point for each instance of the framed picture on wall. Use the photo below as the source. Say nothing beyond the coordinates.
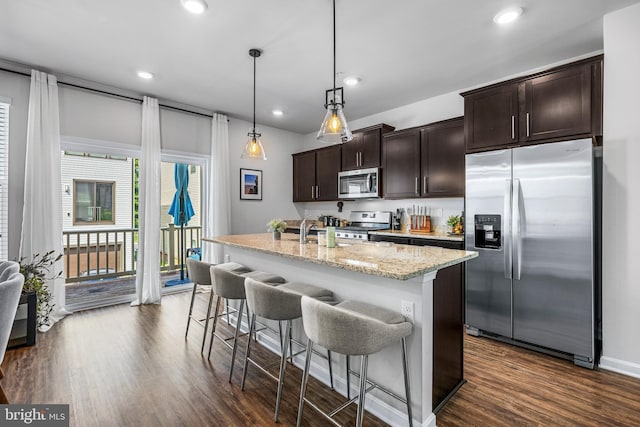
(250, 184)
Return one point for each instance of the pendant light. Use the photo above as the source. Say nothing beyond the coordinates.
(253, 149)
(334, 128)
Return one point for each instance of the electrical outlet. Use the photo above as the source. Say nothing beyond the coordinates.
(227, 258)
(406, 309)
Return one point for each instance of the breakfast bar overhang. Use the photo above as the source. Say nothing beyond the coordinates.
(429, 279)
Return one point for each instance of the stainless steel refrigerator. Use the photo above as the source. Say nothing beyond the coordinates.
(532, 213)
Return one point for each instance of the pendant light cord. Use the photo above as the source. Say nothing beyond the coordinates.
(254, 95)
(334, 51)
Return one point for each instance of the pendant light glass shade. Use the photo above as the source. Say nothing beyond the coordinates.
(253, 149)
(334, 128)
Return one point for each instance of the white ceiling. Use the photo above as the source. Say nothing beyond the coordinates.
(405, 51)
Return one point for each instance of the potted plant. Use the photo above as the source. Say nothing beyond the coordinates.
(277, 227)
(36, 273)
(455, 224)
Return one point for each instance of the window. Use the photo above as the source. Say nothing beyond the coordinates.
(93, 202)
(4, 179)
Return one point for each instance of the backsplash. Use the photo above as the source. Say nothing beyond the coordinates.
(439, 209)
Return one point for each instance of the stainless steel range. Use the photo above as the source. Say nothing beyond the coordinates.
(362, 222)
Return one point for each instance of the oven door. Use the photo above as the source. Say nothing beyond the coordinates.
(359, 184)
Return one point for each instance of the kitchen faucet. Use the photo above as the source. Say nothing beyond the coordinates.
(304, 231)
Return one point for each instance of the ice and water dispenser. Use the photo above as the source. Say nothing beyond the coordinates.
(488, 231)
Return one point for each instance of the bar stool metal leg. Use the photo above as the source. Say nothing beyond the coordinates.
(363, 390)
(252, 326)
(206, 322)
(193, 298)
(348, 378)
(283, 366)
(305, 379)
(213, 327)
(405, 368)
(235, 339)
(330, 369)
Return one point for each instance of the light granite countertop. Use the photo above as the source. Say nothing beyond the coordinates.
(401, 262)
(435, 235)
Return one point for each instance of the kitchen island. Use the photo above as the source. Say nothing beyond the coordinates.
(388, 275)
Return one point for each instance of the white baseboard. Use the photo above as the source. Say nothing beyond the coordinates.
(620, 366)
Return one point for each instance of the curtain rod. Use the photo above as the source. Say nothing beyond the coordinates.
(117, 95)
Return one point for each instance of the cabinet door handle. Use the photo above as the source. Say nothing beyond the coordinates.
(357, 159)
(360, 158)
(513, 127)
(317, 192)
(312, 192)
(424, 185)
(416, 186)
(528, 133)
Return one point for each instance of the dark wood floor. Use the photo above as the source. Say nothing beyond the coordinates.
(123, 366)
(130, 366)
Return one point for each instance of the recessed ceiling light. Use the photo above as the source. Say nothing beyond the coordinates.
(194, 6)
(277, 113)
(508, 15)
(145, 75)
(352, 80)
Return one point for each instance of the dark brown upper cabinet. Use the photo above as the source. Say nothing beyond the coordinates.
(491, 117)
(304, 176)
(442, 159)
(315, 174)
(363, 151)
(558, 104)
(427, 161)
(401, 164)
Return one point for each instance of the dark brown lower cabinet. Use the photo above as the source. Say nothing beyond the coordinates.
(448, 321)
(448, 327)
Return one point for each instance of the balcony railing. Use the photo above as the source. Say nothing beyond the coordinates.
(106, 253)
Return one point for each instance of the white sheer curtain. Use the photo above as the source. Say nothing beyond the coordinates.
(148, 262)
(42, 212)
(217, 218)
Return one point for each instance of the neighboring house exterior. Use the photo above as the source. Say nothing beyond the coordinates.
(97, 195)
(98, 213)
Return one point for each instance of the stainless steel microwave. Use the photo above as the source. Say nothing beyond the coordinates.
(359, 184)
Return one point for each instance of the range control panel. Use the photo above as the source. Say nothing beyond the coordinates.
(488, 231)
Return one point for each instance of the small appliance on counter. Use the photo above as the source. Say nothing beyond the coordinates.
(362, 222)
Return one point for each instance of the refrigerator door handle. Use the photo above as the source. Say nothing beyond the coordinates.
(507, 237)
(517, 240)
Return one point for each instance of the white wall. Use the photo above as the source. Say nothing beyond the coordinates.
(621, 196)
(251, 216)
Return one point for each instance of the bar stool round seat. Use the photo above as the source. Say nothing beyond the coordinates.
(355, 329)
(229, 284)
(279, 303)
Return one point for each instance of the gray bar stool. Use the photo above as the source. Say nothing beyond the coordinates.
(199, 275)
(230, 286)
(281, 303)
(354, 329)
(230, 266)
